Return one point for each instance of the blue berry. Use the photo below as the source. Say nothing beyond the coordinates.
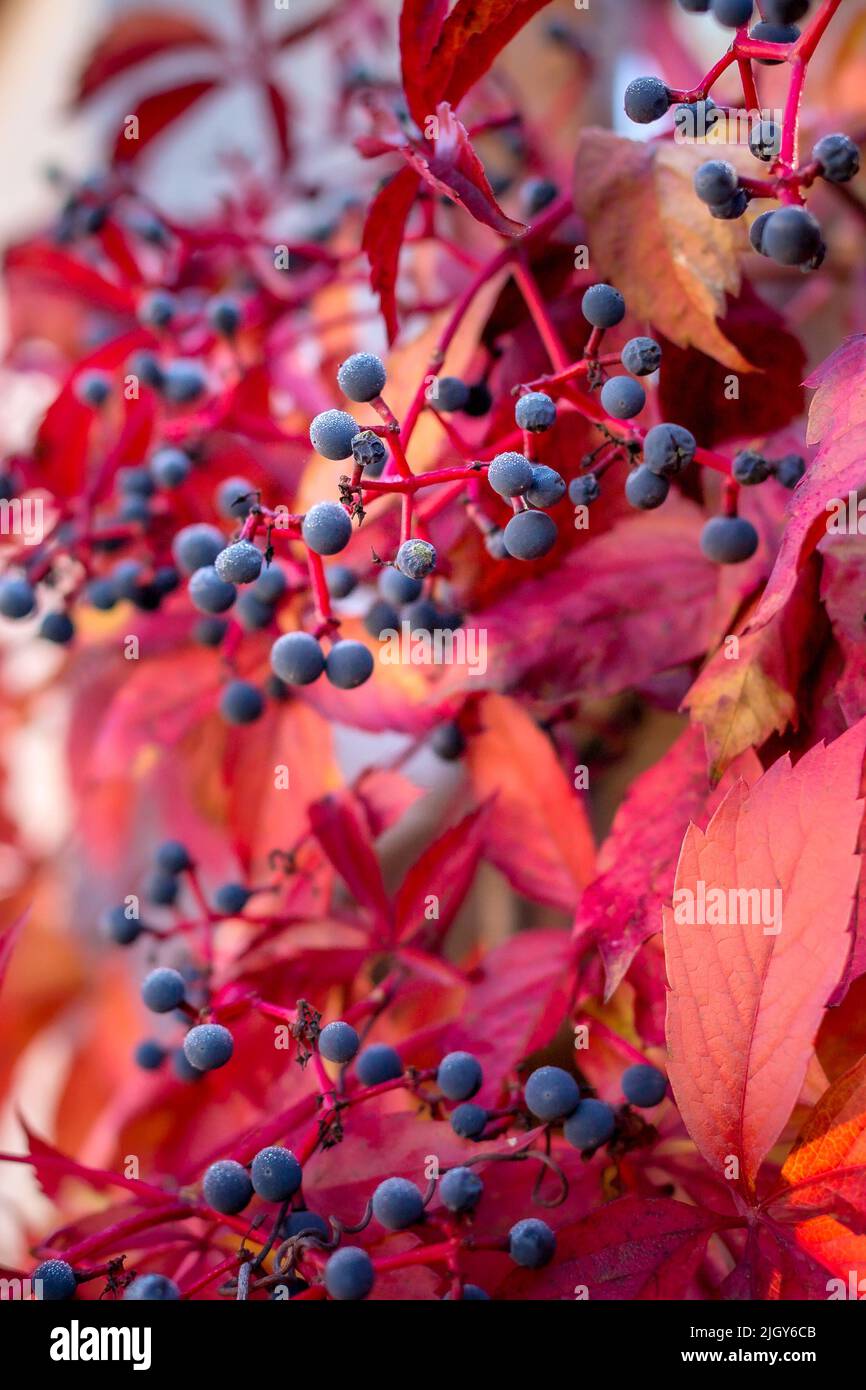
(732, 13)
(332, 432)
(297, 658)
(271, 584)
(398, 588)
(603, 306)
(397, 1203)
(537, 194)
(785, 11)
(447, 741)
(461, 1189)
(551, 1093)
(531, 1243)
(183, 1068)
(362, 376)
(416, 559)
(241, 703)
(369, 453)
(641, 356)
(668, 449)
(583, 491)
(122, 928)
(92, 388)
(750, 468)
(209, 632)
(170, 467)
(17, 597)
(789, 470)
(765, 139)
(459, 1076)
(510, 474)
(227, 1187)
(150, 1055)
(530, 535)
(791, 236)
(644, 1085)
(299, 1223)
(472, 1293)
(197, 546)
(591, 1124)
(152, 1288)
(252, 613)
(208, 1046)
(480, 400)
(172, 857)
(729, 540)
(57, 1279)
(623, 397)
(349, 1274)
(448, 393)
(766, 32)
(240, 563)
(732, 207)
(838, 157)
(348, 664)
(547, 487)
(57, 627)
(469, 1120)
(645, 489)
(163, 990)
(210, 594)
(231, 898)
(327, 528)
(535, 411)
(157, 309)
(224, 315)
(341, 580)
(183, 381)
(276, 1174)
(235, 498)
(338, 1042)
(378, 1063)
(101, 594)
(161, 889)
(381, 619)
(716, 181)
(646, 100)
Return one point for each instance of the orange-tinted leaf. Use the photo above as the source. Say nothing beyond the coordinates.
(828, 1161)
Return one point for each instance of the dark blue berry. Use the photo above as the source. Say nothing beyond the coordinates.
(297, 658)
(765, 139)
(93, 388)
(623, 397)
(183, 1069)
(645, 489)
(362, 376)
(276, 1174)
(398, 588)
(163, 990)
(210, 594)
(227, 1187)
(348, 664)
(551, 1093)
(208, 1046)
(535, 411)
(183, 381)
(150, 1055)
(459, 1076)
(152, 1288)
(791, 236)
(197, 546)
(732, 13)
(448, 393)
(510, 474)
(646, 100)
(377, 1064)
(716, 181)
(530, 535)
(472, 1293)
(461, 1189)
(17, 597)
(327, 528)
(271, 584)
(668, 449)
(765, 32)
(161, 889)
(209, 632)
(170, 467)
(591, 1124)
(57, 627)
(338, 1042)
(172, 857)
(537, 194)
(231, 898)
(644, 1085)
(157, 309)
(369, 453)
(241, 703)
(469, 1120)
(756, 232)
(547, 487)
(641, 356)
(332, 432)
(583, 491)
(349, 1274)
(750, 468)
(308, 1223)
(729, 540)
(122, 928)
(789, 470)
(224, 315)
(447, 741)
(57, 1280)
(397, 1203)
(381, 619)
(732, 207)
(416, 559)
(240, 563)
(480, 400)
(235, 498)
(531, 1243)
(838, 157)
(341, 580)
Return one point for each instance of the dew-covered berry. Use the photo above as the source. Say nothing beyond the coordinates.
(338, 1042)
(646, 100)
(468, 1121)
(750, 468)
(54, 1281)
(239, 563)
(349, 664)
(152, 1288)
(377, 1064)
(591, 1124)
(729, 540)
(623, 397)
(297, 658)
(362, 376)
(645, 489)
(149, 1055)
(716, 181)
(551, 1093)
(208, 1046)
(603, 306)
(641, 356)
(397, 1203)
(531, 1243)
(644, 1085)
(349, 1274)
(210, 594)
(535, 411)
(227, 1187)
(416, 559)
(231, 898)
(530, 535)
(197, 546)
(461, 1189)
(163, 990)
(276, 1173)
(547, 486)
(332, 432)
(459, 1076)
(327, 528)
(668, 449)
(241, 703)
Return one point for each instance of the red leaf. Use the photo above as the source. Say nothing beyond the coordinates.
(155, 113)
(281, 120)
(450, 165)
(340, 831)
(134, 39)
(420, 27)
(638, 860)
(46, 264)
(383, 237)
(51, 1167)
(635, 1248)
(745, 1002)
(446, 868)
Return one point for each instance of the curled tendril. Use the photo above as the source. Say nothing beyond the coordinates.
(546, 1163)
